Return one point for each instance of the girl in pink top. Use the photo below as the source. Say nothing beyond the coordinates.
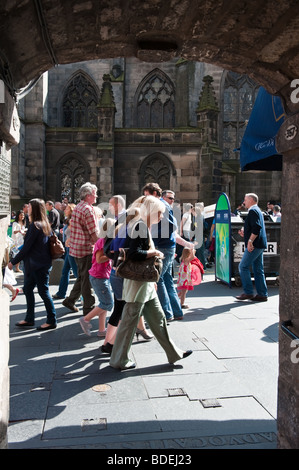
(99, 275)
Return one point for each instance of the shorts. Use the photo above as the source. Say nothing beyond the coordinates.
(103, 291)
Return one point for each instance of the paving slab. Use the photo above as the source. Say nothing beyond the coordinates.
(64, 394)
(238, 415)
(116, 418)
(196, 387)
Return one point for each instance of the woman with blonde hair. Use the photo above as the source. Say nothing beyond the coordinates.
(141, 297)
(37, 264)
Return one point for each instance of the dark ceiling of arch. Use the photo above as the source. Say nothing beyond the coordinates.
(259, 38)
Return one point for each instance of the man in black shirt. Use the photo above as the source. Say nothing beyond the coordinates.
(255, 240)
(53, 216)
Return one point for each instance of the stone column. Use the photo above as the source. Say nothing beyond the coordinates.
(9, 136)
(105, 146)
(210, 159)
(287, 143)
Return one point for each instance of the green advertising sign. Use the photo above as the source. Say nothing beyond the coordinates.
(223, 239)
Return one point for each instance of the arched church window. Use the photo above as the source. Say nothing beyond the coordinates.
(72, 173)
(155, 101)
(80, 103)
(238, 99)
(158, 168)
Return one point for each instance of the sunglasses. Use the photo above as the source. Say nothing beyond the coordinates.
(171, 198)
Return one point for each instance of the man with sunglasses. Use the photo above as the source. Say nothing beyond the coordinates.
(165, 237)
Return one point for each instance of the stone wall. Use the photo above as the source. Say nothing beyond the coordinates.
(181, 148)
(44, 142)
(4, 347)
(9, 136)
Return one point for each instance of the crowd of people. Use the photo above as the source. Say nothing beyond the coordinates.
(93, 239)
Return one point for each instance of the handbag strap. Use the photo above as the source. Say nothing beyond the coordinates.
(151, 242)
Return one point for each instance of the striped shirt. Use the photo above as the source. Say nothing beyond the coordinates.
(83, 225)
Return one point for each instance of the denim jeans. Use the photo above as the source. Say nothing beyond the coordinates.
(69, 264)
(116, 284)
(167, 292)
(103, 292)
(254, 259)
(39, 279)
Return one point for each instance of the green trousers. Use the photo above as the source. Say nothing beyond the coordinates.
(154, 316)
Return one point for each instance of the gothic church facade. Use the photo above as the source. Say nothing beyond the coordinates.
(120, 123)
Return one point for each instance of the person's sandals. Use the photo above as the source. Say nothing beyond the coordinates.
(24, 324)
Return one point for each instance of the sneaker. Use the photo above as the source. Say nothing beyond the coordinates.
(66, 303)
(101, 334)
(86, 326)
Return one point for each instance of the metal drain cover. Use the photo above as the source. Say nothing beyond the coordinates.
(176, 392)
(210, 403)
(97, 424)
(101, 388)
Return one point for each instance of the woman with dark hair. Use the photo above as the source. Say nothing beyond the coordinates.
(37, 264)
(18, 233)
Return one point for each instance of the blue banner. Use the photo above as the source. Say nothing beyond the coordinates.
(258, 151)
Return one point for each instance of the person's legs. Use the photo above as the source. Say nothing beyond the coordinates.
(65, 277)
(95, 312)
(103, 291)
(141, 330)
(259, 275)
(200, 254)
(42, 282)
(247, 261)
(75, 292)
(182, 295)
(172, 292)
(29, 285)
(110, 334)
(161, 287)
(245, 274)
(124, 336)
(73, 265)
(84, 264)
(156, 320)
(166, 289)
(115, 317)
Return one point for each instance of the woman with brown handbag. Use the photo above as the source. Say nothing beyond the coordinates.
(141, 297)
(37, 265)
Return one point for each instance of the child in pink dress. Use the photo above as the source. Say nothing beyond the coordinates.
(189, 275)
(99, 276)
